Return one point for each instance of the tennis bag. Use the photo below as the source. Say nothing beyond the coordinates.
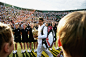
(48, 42)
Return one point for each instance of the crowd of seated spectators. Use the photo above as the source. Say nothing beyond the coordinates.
(11, 15)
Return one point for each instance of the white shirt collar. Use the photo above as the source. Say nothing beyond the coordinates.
(42, 25)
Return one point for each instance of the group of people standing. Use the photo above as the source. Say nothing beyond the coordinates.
(24, 36)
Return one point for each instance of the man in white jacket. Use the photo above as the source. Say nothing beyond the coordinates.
(40, 47)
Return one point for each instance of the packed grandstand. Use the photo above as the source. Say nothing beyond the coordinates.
(11, 14)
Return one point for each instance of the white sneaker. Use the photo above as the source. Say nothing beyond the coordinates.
(14, 52)
(22, 51)
(50, 48)
(28, 51)
(35, 50)
(57, 48)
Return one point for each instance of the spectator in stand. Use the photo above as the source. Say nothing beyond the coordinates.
(46, 24)
(71, 31)
(6, 40)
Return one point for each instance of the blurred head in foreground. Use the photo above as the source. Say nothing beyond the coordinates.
(71, 31)
(6, 40)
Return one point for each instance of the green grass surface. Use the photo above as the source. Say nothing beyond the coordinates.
(19, 51)
(19, 54)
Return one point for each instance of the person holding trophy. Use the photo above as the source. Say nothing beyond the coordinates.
(40, 47)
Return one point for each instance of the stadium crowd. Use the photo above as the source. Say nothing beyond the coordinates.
(11, 15)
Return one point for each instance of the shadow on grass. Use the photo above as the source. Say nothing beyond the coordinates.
(30, 55)
(23, 54)
(27, 54)
(16, 55)
(13, 55)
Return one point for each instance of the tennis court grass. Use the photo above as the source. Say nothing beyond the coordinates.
(32, 54)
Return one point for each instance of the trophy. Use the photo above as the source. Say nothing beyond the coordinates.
(35, 33)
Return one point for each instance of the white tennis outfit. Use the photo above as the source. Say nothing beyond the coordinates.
(40, 48)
